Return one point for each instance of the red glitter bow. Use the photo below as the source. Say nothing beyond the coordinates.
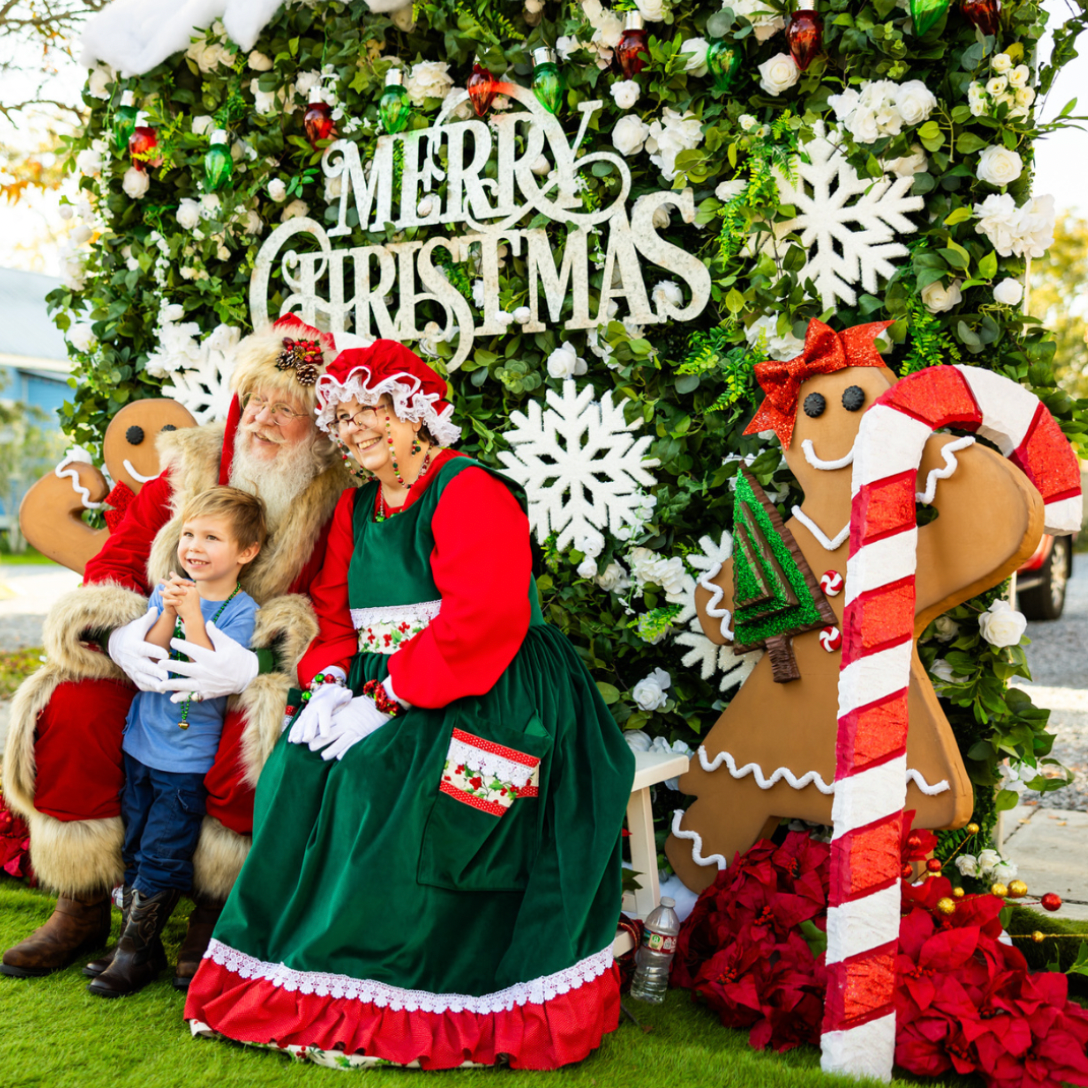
(120, 498)
(825, 352)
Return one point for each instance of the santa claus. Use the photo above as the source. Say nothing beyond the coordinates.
(63, 765)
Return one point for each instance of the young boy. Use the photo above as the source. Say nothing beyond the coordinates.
(169, 747)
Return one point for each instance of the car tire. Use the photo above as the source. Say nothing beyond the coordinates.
(1046, 600)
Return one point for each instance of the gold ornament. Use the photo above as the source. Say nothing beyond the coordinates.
(999, 890)
(958, 893)
(1017, 889)
(946, 905)
(972, 829)
(1038, 937)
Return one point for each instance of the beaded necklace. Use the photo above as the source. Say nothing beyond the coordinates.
(177, 655)
(384, 511)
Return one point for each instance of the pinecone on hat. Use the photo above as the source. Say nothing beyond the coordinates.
(306, 374)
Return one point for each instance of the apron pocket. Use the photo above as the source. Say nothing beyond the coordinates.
(484, 828)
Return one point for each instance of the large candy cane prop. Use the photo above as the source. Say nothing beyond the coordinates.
(871, 754)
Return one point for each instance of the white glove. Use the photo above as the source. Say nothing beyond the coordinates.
(350, 724)
(211, 674)
(315, 721)
(129, 649)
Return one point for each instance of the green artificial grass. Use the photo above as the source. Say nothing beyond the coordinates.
(30, 557)
(54, 1034)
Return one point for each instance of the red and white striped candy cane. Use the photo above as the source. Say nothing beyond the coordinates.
(878, 632)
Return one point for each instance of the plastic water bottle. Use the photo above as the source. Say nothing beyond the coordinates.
(654, 956)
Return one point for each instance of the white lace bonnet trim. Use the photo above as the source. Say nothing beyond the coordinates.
(536, 992)
(418, 615)
(405, 391)
(490, 763)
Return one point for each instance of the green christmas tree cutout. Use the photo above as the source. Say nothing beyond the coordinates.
(775, 595)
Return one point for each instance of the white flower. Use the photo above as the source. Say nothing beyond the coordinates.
(522, 314)
(764, 339)
(82, 337)
(674, 133)
(696, 63)
(171, 312)
(1019, 76)
(677, 748)
(943, 671)
(566, 45)
(424, 207)
(565, 362)
(209, 206)
(188, 214)
(642, 561)
(666, 293)
(306, 82)
(726, 190)
(428, 79)
(987, 859)
(625, 92)
(1035, 227)
(779, 74)
(1001, 625)
(652, 11)
(999, 221)
(135, 183)
(277, 190)
(976, 99)
(223, 338)
(202, 124)
(629, 134)
(1009, 292)
(259, 62)
(998, 166)
(747, 122)
(1004, 871)
(478, 294)
(649, 692)
(638, 740)
(254, 223)
(765, 21)
(939, 299)
(996, 85)
(542, 166)
(908, 165)
(614, 578)
(295, 210)
(670, 575)
(208, 55)
(1025, 96)
(1001, 63)
(661, 217)
(89, 161)
(100, 80)
(946, 628)
(587, 568)
(968, 865)
(914, 101)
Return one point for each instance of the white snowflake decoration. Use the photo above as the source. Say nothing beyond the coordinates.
(205, 391)
(864, 229)
(579, 463)
(709, 656)
(199, 369)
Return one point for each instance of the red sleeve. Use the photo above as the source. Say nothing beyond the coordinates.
(482, 565)
(123, 558)
(336, 641)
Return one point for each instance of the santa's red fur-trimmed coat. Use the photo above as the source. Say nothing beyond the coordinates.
(63, 767)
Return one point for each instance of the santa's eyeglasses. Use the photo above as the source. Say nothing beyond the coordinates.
(281, 413)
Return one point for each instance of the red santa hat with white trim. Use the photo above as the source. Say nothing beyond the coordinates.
(388, 368)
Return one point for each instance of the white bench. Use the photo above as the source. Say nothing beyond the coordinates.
(650, 769)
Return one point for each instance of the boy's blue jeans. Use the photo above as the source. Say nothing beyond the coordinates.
(162, 812)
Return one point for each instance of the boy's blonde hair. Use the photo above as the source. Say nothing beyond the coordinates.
(243, 512)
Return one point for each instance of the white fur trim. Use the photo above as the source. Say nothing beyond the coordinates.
(537, 991)
(1007, 408)
(1064, 516)
(864, 1051)
(696, 843)
(716, 595)
(869, 795)
(405, 391)
(810, 456)
(880, 563)
(829, 544)
(874, 677)
(888, 443)
(948, 452)
(863, 924)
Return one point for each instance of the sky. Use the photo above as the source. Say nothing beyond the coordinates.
(1061, 161)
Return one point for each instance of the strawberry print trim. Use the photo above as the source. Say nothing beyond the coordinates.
(383, 630)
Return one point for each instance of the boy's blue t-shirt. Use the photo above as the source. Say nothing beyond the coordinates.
(151, 730)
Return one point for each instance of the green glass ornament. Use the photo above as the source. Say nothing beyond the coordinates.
(394, 107)
(724, 59)
(926, 14)
(548, 84)
(124, 121)
(218, 164)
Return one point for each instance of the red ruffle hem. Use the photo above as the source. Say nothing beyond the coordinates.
(546, 1034)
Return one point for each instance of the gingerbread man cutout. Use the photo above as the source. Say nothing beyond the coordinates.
(772, 752)
(51, 514)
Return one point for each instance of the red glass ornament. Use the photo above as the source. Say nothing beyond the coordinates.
(1052, 901)
(805, 36)
(318, 123)
(934, 865)
(914, 840)
(481, 89)
(985, 14)
(907, 872)
(631, 50)
(143, 147)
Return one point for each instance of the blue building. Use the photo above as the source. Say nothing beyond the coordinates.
(34, 370)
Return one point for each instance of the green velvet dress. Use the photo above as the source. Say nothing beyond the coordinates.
(448, 892)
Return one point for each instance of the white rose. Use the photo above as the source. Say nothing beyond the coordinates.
(1001, 63)
(908, 165)
(946, 628)
(943, 671)
(541, 166)
(670, 575)
(209, 206)
(968, 865)
(613, 578)
(765, 21)
(1004, 871)
(914, 101)
(402, 18)
(677, 748)
(939, 299)
(1009, 292)
(172, 312)
(1035, 227)
(277, 190)
(1025, 96)
(665, 294)
(976, 99)
(223, 337)
(652, 11)
(306, 82)
(843, 104)
(778, 74)
(254, 222)
(696, 63)
(587, 568)
(661, 217)
(649, 692)
(522, 314)
(188, 214)
(998, 166)
(259, 62)
(998, 220)
(565, 46)
(638, 740)
(202, 124)
(987, 859)
(1019, 76)
(629, 134)
(641, 561)
(295, 210)
(625, 92)
(726, 190)
(89, 162)
(135, 183)
(82, 337)
(764, 339)
(565, 362)
(100, 81)
(1001, 625)
(996, 86)
(747, 122)
(428, 79)
(864, 126)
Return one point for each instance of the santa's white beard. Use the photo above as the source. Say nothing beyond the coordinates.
(278, 481)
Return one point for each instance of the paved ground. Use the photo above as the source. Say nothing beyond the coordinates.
(26, 595)
(1048, 846)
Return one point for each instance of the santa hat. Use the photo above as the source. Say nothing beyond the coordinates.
(388, 368)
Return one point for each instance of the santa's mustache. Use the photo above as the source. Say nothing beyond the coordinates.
(255, 429)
